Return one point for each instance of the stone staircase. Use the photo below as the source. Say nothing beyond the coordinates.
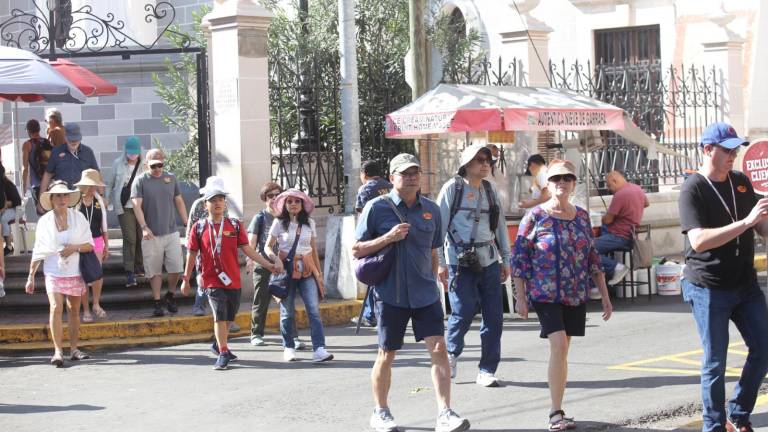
(115, 295)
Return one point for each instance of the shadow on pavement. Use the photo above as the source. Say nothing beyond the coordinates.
(31, 409)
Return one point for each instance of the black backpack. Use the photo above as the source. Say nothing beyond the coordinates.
(36, 163)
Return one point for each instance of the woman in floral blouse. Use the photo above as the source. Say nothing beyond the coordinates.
(552, 264)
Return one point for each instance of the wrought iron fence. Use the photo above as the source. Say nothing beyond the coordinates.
(671, 104)
(306, 124)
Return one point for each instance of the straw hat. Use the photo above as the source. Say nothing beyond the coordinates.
(90, 177)
(279, 202)
(59, 187)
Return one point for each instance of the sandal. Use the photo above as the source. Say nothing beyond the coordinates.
(559, 422)
(57, 359)
(87, 317)
(79, 355)
(99, 312)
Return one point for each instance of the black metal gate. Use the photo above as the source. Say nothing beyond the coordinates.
(54, 30)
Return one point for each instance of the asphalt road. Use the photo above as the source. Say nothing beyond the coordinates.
(638, 371)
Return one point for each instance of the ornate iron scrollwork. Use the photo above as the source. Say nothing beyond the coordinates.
(87, 32)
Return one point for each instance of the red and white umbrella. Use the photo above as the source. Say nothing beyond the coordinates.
(87, 81)
(471, 108)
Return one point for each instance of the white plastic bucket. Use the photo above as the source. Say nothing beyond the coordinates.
(668, 279)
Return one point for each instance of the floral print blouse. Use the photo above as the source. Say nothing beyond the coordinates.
(555, 257)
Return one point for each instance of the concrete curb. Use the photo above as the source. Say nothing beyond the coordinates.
(164, 331)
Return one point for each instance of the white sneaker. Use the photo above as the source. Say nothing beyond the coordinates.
(299, 345)
(594, 294)
(321, 355)
(449, 421)
(453, 361)
(382, 420)
(289, 354)
(257, 341)
(619, 273)
(487, 379)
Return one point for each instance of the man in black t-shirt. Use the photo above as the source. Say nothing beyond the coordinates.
(718, 213)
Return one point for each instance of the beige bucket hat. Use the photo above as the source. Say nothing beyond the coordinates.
(90, 177)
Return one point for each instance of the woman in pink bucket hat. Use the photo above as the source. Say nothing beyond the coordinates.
(293, 229)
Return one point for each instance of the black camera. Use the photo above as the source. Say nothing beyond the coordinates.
(468, 258)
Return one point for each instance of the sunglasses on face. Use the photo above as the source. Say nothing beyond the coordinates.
(482, 160)
(290, 201)
(565, 177)
(156, 166)
(272, 195)
(731, 152)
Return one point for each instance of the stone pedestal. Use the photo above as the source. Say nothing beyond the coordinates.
(239, 85)
(727, 56)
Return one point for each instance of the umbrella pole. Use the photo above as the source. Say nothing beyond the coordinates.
(586, 178)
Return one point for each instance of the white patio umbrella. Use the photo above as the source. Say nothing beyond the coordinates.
(26, 77)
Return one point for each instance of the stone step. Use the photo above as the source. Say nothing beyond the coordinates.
(17, 339)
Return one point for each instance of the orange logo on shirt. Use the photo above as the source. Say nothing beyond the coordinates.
(741, 188)
(470, 195)
(167, 179)
(228, 233)
(427, 216)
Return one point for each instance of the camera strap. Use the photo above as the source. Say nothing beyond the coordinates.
(476, 223)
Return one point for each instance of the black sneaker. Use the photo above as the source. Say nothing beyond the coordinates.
(158, 312)
(230, 355)
(130, 280)
(221, 362)
(738, 426)
(7, 251)
(170, 303)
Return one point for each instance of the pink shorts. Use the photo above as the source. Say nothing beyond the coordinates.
(98, 246)
(71, 286)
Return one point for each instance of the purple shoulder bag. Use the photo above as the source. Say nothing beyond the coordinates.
(373, 269)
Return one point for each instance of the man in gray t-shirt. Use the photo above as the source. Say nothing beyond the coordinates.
(154, 195)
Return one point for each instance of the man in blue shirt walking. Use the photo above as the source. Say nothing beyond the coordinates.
(410, 292)
(69, 160)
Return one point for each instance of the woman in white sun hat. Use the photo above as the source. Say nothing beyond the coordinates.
(62, 234)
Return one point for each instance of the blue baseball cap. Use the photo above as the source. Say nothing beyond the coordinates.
(72, 132)
(723, 135)
(132, 145)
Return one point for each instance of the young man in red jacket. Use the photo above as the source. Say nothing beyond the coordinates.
(218, 239)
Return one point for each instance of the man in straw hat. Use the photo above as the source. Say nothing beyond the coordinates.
(155, 194)
(719, 214)
(476, 240)
(413, 223)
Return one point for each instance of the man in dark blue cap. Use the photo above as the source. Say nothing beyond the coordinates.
(70, 159)
(719, 213)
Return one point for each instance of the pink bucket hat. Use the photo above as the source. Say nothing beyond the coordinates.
(279, 202)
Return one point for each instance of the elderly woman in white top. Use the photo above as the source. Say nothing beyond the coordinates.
(62, 234)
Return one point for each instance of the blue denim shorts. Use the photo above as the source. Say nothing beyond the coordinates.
(392, 322)
(556, 317)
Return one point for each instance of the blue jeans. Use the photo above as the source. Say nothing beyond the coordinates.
(307, 289)
(370, 306)
(473, 289)
(712, 309)
(606, 244)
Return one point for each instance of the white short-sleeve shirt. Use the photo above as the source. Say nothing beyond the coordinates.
(285, 239)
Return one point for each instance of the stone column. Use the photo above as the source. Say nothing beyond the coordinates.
(241, 151)
(724, 51)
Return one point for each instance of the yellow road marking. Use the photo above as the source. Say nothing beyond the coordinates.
(647, 365)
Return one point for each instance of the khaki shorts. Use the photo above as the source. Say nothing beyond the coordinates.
(162, 250)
